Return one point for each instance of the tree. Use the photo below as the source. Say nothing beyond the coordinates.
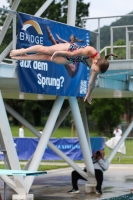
(106, 113)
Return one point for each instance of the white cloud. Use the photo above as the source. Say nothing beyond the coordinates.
(3, 3)
(102, 8)
(99, 8)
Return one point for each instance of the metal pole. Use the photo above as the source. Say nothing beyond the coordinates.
(127, 40)
(44, 139)
(111, 38)
(71, 14)
(71, 17)
(82, 138)
(85, 123)
(128, 130)
(98, 36)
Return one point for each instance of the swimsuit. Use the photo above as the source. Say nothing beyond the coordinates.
(82, 59)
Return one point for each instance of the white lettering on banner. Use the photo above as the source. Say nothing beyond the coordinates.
(36, 65)
(25, 63)
(40, 65)
(31, 38)
(57, 82)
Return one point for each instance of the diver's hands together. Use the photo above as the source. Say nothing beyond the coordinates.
(88, 98)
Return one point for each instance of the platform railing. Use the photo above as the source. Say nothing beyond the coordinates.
(96, 23)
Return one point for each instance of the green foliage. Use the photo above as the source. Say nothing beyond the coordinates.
(106, 113)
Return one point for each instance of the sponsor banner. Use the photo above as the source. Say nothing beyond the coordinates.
(26, 147)
(45, 77)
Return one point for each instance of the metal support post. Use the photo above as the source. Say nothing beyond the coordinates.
(127, 43)
(44, 139)
(111, 38)
(98, 36)
(84, 117)
(82, 138)
(71, 14)
(111, 156)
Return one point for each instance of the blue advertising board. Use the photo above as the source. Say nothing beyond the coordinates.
(45, 77)
(70, 146)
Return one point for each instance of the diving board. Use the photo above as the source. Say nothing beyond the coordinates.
(21, 172)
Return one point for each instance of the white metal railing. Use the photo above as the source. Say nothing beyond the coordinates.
(97, 22)
(105, 49)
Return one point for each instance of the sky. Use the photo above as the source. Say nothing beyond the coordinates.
(100, 8)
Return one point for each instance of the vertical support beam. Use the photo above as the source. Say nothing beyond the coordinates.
(82, 137)
(127, 43)
(98, 37)
(128, 130)
(71, 13)
(44, 139)
(111, 38)
(84, 117)
(75, 109)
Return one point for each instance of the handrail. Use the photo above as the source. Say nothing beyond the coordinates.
(6, 10)
(85, 18)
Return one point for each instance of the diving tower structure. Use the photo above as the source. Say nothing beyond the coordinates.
(116, 83)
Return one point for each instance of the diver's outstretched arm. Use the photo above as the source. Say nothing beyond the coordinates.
(91, 86)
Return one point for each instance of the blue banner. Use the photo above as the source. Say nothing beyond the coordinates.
(44, 77)
(70, 146)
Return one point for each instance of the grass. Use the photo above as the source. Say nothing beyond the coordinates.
(59, 133)
(43, 167)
